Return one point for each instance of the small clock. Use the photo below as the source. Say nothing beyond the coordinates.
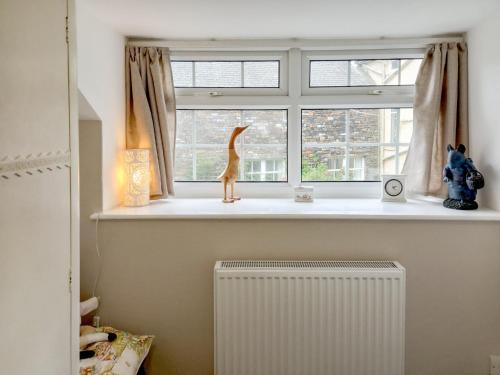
(393, 188)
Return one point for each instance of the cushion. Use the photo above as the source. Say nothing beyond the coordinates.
(123, 356)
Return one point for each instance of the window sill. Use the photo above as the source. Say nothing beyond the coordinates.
(340, 209)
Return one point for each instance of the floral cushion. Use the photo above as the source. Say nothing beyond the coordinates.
(123, 356)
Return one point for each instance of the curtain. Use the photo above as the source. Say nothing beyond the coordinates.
(440, 116)
(151, 113)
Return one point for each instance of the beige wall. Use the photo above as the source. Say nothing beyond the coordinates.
(35, 232)
(101, 79)
(157, 278)
(484, 86)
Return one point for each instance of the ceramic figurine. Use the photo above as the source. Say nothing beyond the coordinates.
(463, 180)
(230, 174)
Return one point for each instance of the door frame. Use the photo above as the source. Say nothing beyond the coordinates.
(74, 269)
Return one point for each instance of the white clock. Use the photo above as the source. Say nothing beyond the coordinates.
(393, 188)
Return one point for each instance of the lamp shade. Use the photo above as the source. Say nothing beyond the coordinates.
(136, 177)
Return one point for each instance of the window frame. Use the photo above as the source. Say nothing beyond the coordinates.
(365, 55)
(348, 143)
(241, 156)
(293, 97)
(219, 56)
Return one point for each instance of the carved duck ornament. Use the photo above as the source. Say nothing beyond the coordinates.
(230, 174)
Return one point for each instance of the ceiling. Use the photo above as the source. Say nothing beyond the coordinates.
(203, 19)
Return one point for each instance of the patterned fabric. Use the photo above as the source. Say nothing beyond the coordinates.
(123, 356)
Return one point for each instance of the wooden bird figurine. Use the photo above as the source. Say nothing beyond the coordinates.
(230, 174)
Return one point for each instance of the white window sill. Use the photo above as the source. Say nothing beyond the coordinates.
(340, 209)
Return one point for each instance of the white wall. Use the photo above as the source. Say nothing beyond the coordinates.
(484, 89)
(101, 79)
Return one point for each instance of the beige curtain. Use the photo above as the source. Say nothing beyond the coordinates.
(440, 116)
(151, 113)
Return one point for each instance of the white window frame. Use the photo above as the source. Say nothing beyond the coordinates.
(279, 56)
(309, 56)
(293, 97)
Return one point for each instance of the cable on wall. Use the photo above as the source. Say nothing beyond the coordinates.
(98, 252)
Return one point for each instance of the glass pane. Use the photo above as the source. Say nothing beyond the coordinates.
(185, 127)
(409, 71)
(261, 73)
(323, 125)
(365, 125)
(371, 142)
(263, 163)
(388, 156)
(210, 162)
(323, 163)
(328, 73)
(374, 72)
(405, 125)
(182, 72)
(215, 126)
(403, 152)
(262, 147)
(217, 74)
(183, 163)
(364, 163)
(265, 127)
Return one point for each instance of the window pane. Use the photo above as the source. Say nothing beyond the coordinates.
(210, 162)
(323, 125)
(263, 163)
(184, 163)
(409, 71)
(337, 73)
(403, 152)
(262, 148)
(215, 127)
(362, 153)
(406, 125)
(185, 125)
(364, 163)
(388, 156)
(217, 74)
(323, 163)
(182, 72)
(261, 73)
(328, 73)
(374, 72)
(365, 125)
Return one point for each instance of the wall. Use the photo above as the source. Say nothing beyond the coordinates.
(484, 86)
(157, 279)
(35, 209)
(101, 80)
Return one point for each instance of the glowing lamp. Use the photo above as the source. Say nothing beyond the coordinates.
(136, 177)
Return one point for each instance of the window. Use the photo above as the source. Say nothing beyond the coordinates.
(354, 144)
(335, 119)
(230, 73)
(226, 74)
(345, 73)
(201, 144)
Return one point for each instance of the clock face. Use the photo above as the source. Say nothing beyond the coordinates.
(393, 187)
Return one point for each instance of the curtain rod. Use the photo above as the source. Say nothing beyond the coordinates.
(285, 44)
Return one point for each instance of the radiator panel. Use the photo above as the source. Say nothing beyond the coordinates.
(306, 321)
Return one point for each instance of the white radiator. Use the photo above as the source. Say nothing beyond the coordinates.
(309, 318)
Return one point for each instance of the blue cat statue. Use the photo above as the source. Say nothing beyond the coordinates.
(463, 180)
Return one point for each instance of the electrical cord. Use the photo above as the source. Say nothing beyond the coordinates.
(98, 251)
